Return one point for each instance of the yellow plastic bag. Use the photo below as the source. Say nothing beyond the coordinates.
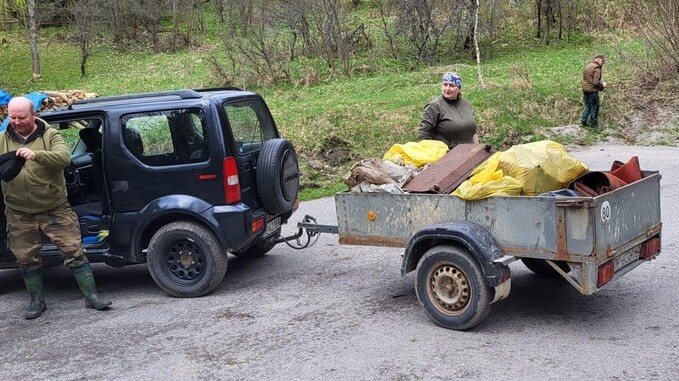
(541, 166)
(416, 153)
(488, 180)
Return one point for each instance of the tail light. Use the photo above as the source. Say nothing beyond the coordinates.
(257, 224)
(606, 272)
(650, 248)
(231, 183)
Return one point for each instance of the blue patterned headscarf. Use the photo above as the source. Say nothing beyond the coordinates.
(453, 77)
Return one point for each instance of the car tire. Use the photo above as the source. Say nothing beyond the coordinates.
(451, 287)
(186, 260)
(541, 268)
(278, 176)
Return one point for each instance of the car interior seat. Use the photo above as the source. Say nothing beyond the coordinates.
(93, 141)
(133, 141)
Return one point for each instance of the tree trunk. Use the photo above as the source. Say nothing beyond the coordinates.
(33, 36)
(538, 11)
(560, 19)
(476, 43)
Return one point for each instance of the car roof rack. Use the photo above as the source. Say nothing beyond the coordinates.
(227, 88)
(181, 94)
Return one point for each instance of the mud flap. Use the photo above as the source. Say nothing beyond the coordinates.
(502, 290)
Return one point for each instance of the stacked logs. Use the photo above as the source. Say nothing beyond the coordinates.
(56, 99)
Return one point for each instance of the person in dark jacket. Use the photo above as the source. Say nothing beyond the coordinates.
(36, 204)
(591, 85)
(449, 118)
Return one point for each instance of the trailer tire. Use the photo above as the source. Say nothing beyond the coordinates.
(541, 268)
(451, 288)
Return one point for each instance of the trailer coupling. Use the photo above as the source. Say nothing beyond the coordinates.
(311, 229)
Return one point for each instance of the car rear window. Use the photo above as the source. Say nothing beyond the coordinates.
(168, 137)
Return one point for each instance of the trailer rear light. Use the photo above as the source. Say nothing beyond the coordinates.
(257, 224)
(231, 183)
(650, 248)
(295, 205)
(606, 272)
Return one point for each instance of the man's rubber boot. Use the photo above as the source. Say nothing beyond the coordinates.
(83, 275)
(36, 290)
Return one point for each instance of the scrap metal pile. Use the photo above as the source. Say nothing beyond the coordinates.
(477, 171)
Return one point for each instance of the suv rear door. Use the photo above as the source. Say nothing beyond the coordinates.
(250, 124)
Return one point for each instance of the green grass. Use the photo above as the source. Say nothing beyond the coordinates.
(536, 88)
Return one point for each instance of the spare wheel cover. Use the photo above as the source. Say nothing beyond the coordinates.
(278, 176)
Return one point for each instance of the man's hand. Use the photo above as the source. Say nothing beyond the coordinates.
(26, 153)
(603, 84)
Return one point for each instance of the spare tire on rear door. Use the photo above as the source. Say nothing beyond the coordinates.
(277, 176)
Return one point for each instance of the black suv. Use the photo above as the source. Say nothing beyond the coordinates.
(177, 180)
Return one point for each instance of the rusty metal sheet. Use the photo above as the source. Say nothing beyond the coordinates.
(372, 241)
(451, 170)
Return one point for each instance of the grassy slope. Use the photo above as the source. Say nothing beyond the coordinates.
(525, 91)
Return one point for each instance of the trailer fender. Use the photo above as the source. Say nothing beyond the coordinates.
(475, 238)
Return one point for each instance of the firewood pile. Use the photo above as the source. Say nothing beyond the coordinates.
(56, 99)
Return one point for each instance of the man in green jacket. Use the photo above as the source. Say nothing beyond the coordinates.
(36, 203)
(591, 85)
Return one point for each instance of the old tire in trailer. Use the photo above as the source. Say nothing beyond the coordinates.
(451, 288)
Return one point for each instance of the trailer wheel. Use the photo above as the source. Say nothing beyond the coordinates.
(543, 269)
(450, 287)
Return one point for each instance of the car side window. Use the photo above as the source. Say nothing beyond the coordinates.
(251, 124)
(167, 137)
(70, 132)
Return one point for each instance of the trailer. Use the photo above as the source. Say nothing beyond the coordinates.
(460, 250)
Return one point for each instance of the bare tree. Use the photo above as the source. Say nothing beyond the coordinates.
(549, 13)
(295, 15)
(189, 14)
(656, 22)
(260, 58)
(219, 9)
(324, 26)
(476, 44)
(391, 38)
(86, 20)
(33, 36)
(424, 23)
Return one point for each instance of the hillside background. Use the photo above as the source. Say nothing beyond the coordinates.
(346, 79)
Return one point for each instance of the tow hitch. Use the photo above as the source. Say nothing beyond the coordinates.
(311, 229)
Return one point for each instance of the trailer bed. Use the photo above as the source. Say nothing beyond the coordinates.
(583, 232)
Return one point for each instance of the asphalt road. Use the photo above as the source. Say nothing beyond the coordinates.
(344, 313)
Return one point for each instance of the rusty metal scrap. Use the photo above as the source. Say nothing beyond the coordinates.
(451, 170)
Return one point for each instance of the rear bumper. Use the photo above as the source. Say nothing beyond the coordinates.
(232, 225)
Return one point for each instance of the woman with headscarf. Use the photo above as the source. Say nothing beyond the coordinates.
(449, 118)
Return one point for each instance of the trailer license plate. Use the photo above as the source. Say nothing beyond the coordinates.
(626, 258)
(272, 226)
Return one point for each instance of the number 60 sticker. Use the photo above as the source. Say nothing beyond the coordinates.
(605, 212)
